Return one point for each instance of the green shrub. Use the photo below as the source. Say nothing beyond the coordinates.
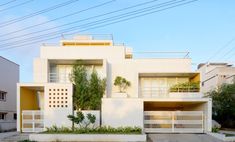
(185, 87)
(80, 119)
(27, 141)
(215, 129)
(122, 83)
(98, 130)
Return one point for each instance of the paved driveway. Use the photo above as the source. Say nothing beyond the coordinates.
(181, 138)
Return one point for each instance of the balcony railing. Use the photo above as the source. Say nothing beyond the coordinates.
(166, 92)
(32, 121)
(59, 78)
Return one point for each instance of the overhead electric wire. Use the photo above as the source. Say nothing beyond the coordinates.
(36, 25)
(7, 3)
(220, 49)
(227, 53)
(95, 22)
(232, 55)
(103, 25)
(140, 15)
(17, 5)
(12, 21)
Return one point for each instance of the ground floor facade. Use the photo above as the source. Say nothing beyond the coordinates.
(39, 106)
(159, 115)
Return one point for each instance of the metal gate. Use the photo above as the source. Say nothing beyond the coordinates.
(173, 122)
(32, 121)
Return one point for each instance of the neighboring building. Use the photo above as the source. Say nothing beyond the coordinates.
(149, 103)
(214, 75)
(9, 77)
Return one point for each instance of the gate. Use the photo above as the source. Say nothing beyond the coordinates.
(173, 122)
(32, 121)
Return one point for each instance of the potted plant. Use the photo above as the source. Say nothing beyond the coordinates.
(122, 85)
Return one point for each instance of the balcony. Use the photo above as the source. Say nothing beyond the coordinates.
(59, 78)
(166, 92)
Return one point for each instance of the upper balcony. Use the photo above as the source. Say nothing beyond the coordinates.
(60, 70)
(170, 85)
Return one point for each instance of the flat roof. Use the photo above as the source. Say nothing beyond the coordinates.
(9, 60)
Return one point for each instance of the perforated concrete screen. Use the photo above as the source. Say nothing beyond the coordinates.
(58, 97)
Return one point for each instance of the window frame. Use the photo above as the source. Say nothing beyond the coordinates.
(3, 96)
(3, 116)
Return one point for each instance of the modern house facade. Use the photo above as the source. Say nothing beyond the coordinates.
(9, 77)
(148, 103)
(214, 75)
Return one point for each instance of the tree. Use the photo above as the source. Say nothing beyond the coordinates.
(87, 93)
(223, 107)
(122, 83)
(96, 90)
(81, 93)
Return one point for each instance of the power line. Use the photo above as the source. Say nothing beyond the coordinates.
(98, 21)
(229, 51)
(47, 35)
(7, 2)
(102, 25)
(17, 5)
(140, 4)
(9, 22)
(220, 49)
(65, 16)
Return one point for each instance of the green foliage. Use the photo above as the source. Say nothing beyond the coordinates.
(81, 93)
(223, 105)
(87, 92)
(91, 118)
(80, 119)
(96, 90)
(185, 87)
(98, 130)
(215, 129)
(27, 141)
(77, 119)
(122, 83)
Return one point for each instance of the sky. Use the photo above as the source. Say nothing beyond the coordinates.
(205, 28)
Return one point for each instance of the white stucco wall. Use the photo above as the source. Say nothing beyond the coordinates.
(57, 115)
(9, 76)
(40, 70)
(117, 112)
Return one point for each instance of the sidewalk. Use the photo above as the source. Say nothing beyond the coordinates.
(13, 136)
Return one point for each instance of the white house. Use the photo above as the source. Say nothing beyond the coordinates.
(149, 103)
(214, 75)
(9, 76)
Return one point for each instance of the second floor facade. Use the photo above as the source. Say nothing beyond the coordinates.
(149, 77)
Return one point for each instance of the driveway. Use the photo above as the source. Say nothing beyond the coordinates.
(181, 138)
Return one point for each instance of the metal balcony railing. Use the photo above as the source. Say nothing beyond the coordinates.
(59, 77)
(165, 92)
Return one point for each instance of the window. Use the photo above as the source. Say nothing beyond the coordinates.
(2, 116)
(3, 96)
(15, 116)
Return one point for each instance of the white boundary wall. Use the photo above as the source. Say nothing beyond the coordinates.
(117, 112)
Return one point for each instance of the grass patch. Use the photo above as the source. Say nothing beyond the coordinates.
(98, 130)
(229, 135)
(27, 141)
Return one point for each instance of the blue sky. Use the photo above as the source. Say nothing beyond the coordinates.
(202, 28)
